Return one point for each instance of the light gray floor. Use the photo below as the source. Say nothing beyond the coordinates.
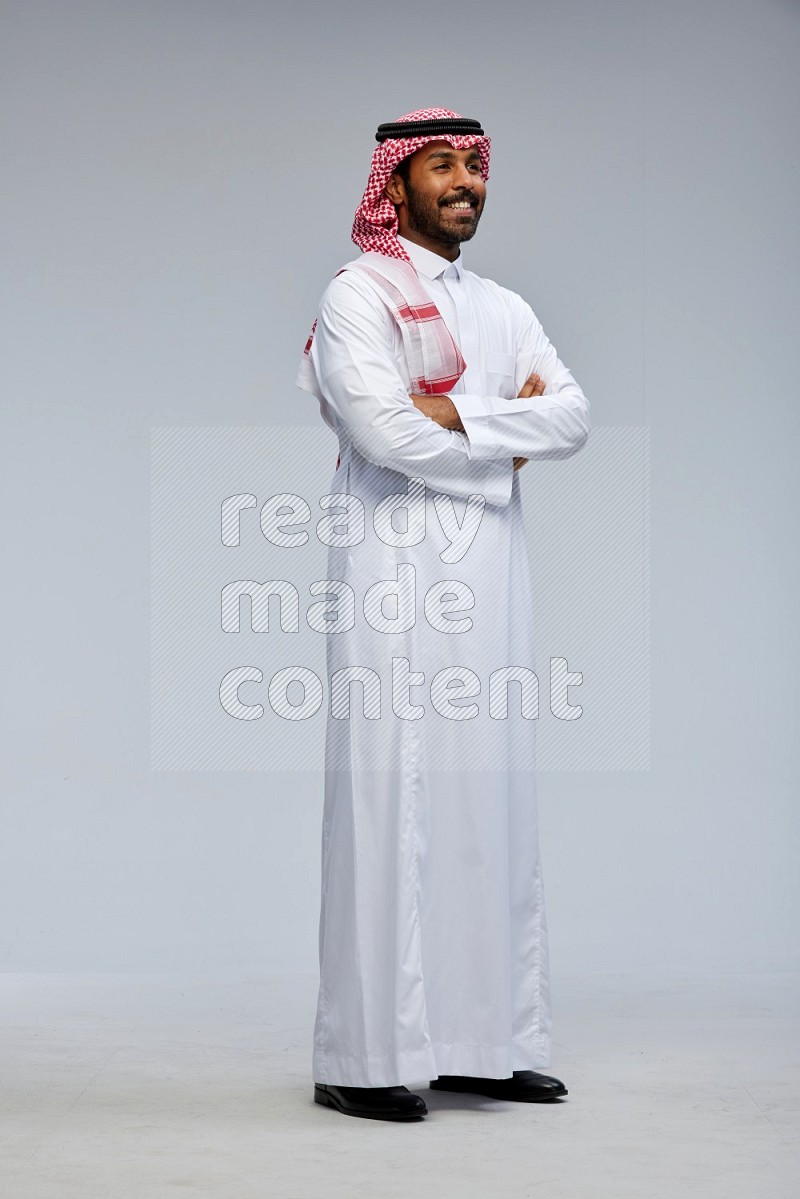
(148, 1086)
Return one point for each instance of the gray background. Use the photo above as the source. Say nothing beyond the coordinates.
(180, 185)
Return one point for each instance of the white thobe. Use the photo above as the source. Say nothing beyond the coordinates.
(433, 934)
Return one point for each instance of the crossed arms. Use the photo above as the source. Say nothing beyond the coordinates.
(444, 412)
(459, 444)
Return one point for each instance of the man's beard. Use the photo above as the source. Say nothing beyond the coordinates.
(430, 218)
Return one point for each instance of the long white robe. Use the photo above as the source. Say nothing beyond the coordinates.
(433, 934)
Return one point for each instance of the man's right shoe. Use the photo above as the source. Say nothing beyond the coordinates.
(372, 1103)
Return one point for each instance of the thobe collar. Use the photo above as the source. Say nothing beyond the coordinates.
(430, 265)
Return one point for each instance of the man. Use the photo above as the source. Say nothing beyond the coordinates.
(440, 386)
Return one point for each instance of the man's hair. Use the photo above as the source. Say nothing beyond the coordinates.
(403, 169)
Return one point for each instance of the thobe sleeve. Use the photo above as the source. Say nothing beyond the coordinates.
(353, 357)
(553, 425)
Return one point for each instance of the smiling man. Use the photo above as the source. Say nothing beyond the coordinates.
(439, 212)
(433, 936)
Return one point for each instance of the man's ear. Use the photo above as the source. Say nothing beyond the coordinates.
(395, 189)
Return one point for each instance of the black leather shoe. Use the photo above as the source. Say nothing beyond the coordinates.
(524, 1086)
(373, 1103)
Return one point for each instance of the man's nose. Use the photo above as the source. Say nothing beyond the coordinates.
(464, 178)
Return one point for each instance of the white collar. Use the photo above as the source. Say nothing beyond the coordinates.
(426, 262)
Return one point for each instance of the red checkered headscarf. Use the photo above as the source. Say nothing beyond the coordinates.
(375, 225)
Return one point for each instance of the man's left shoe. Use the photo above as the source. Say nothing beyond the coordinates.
(524, 1086)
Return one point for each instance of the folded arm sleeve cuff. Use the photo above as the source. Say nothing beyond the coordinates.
(540, 427)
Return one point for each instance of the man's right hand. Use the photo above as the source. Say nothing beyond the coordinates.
(533, 386)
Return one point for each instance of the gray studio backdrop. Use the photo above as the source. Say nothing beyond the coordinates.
(180, 185)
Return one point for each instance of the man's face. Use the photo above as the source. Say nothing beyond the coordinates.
(444, 197)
